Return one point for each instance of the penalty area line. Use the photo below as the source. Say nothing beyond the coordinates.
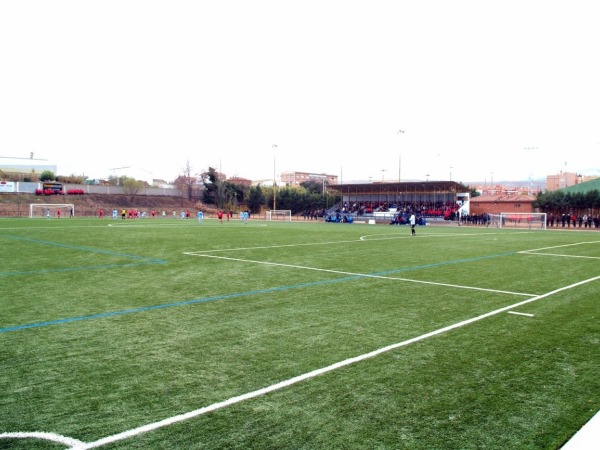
(306, 376)
(362, 275)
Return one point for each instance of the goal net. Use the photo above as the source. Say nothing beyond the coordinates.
(282, 215)
(529, 221)
(51, 210)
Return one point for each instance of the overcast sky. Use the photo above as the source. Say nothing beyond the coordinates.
(502, 90)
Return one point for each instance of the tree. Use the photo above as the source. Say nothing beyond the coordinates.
(256, 198)
(212, 187)
(315, 186)
(72, 179)
(559, 202)
(289, 198)
(298, 199)
(47, 175)
(186, 182)
(131, 186)
(592, 199)
(232, 194)
(114, 180)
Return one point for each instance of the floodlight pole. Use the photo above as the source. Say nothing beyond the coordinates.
(400, 160)
(274, 181)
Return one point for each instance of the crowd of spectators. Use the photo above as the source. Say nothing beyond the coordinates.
(421, 208)
(447, 210)
(399, 212)
(573, 220)
(473, 219)
(313, 214)
(338, 217)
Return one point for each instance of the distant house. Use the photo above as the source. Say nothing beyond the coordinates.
(496, 204)
(566, 179)
(240, 181)
(157, 182)
(297, 178)
(267, 182)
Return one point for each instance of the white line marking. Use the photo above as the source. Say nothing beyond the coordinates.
(184, 223)
(367, 236)
(286, 383)
(521, 314)
(364, 238)
(560, 255)
(73, 443)
(538, 251)
(200, 252)
(304, 244)
(364, 275)
(560, 246)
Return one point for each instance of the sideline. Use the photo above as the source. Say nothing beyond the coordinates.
(588, 438)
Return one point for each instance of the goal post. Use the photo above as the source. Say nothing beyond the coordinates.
(529, 221)
(281, 215)
(51, 210)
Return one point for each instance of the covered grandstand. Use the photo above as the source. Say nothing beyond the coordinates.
(432, 199)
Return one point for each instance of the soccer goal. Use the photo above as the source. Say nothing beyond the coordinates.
(283, 215)
(530, 221)
(51, 210)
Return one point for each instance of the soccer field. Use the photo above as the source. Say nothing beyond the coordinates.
(179, 334)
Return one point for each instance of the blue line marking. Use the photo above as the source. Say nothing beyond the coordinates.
(76, 269)
(171, 305)
(86, 249)
(225, 296)
(236, 295)
(143, 260)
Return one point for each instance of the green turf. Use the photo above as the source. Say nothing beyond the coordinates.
(107, 326)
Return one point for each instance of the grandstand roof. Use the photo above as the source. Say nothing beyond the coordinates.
(407, 186)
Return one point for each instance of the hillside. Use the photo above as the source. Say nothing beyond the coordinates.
(17, 205)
